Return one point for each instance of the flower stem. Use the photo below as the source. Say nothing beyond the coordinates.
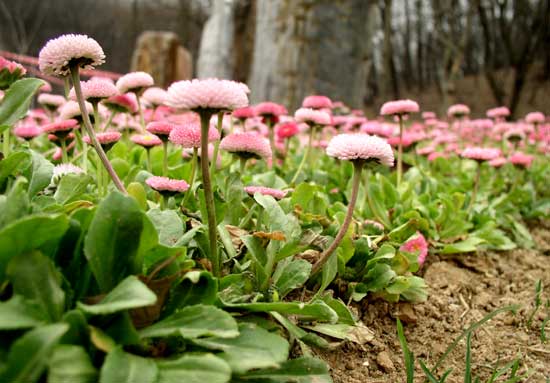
(476, 185)
(242, 164)
(149, 167)
(89, 129)
(192, 176)
(400, 152)
(271, 137)
(140, 110)
(165, 158)
(304, 158)
(357, 167)
(208, 194)
(109, 121)
(64, 157)
(216, 144)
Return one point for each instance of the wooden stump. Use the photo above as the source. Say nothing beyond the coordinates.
(161, 55)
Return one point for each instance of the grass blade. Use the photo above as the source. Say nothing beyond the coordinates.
(407, 355)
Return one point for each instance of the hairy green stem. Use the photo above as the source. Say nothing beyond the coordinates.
(208, 193)
(400, 152)
(216, 144)
(476, 186)
(140, 110)
(165, 158)
(89, 129)
(191, 177)
(304, 158)
(357, 168)
(64, 156)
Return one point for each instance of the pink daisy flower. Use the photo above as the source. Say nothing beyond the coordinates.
(27, 132)
(134, 82)
(429, 116)
(165, 184)
(207, 94)
(417, 244)
(481, 154)
(535, 118)
(189, 135)
(313, 117)
(399, 107)
(60, 126)
(499, 112)
(10, 71)
(46, 88)
(155, 96)
(160, 128)
(71, 110)
(521, 159)
(375, 224)
(286, 130)
(51, 101)
(64, 169)
(58, 54)
(498, 162)
(458, 110)
(317, 102)
(104, 138)
(247, 145)
(361, 147)
(275, 193)
(122, 103)
(244, 113)
(146, 140)
(270, 109)
(95, 90)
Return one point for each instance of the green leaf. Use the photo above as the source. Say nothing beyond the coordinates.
(71, 187)
(291, 275)
(121, 367)
(344, 314)
(196, 368)
(276, 219)
(14, 164)
(34, 277)
(359, 333)
(129, 294)
(168, 224)
(16, 101)
(317, 310)
(18, 313)
(468, 245)
(71, 364)
(137, 192)
(29, 233)
(195, 288)
(15, 204)
(193, 322)
(379, 277)
(40, 173)
(30, 353)
(254, 348)
(113, 240)
(301, 370)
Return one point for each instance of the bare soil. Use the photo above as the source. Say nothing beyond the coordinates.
(462, 290)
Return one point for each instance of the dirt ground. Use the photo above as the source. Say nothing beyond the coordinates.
(462, 290)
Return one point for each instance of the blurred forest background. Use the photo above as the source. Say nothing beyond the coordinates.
(480, 52)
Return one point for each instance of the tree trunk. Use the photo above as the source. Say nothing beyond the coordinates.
(215, 53)
(302, 47)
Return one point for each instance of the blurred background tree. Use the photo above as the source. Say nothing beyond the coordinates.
(481, 52)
